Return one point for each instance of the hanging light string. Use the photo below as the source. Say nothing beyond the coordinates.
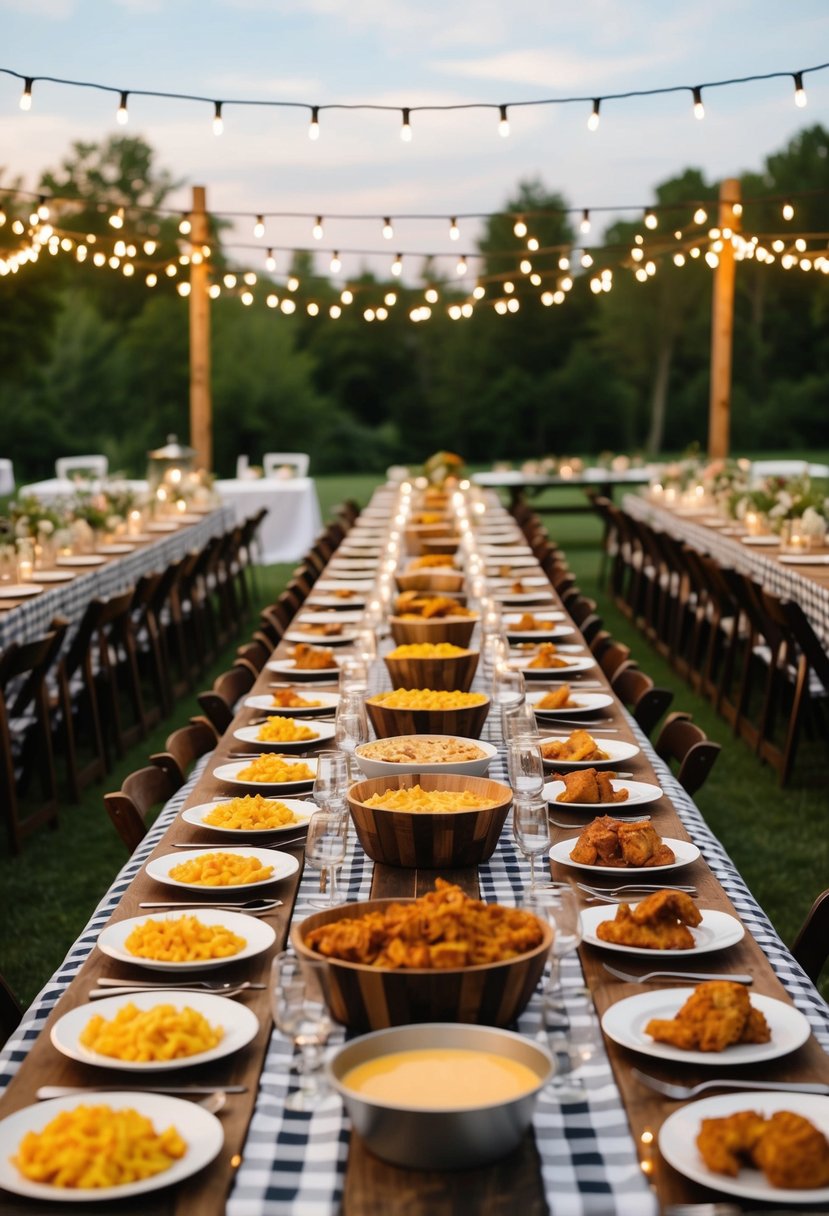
(594, 100)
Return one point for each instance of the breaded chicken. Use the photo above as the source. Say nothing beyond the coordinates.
(792, 1152)
(579, 745)
(607, 842)
(641, 845)
(725, 1143)
(716, 1015)
(658, 922)
(589, 785)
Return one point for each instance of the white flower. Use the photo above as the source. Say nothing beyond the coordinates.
(45, 527)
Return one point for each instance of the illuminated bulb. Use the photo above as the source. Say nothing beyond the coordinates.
(699, 108)
(185, 227)
(584, 226)
(805, 264)
(535, 279)
(513, 305)
(479, 292)
(151, 279)
(558, 297)
(272, 300)
(368, 314)
(679, 259)
(509, 287)
(503, 122)
(335, 311)
(18, 228)
(381, 314)
(314, 125)
(532, 244)
(229, 281)
(247, 298)
(406, 128)
(336, 265)
(700, 215)
(737, 209)
(270, 261)
(431, 296)
(316, 231)
(288, 306)
(183, 289)
(388, 230)
(642, 275)
(595, 286)
(800, 245)
(214, 291)
(292, 284)
(42, 208)
(66, 245)
(501, 306)
(714, 233)
(218, 124)
(637, 254)
(81, 252)
(650, 268)
(259, 226)
(132, 250)
(461, 267)
(397, 265)
(695, 252)
(171, 271)
(390, 298)
(346, 297)
(26, 95)
(34, 218)
(122, 115)
(117, 220)
(586, 260)
(249, 277)
(120, 248)
(129, 269)
(2, 217)
(778, 246)
(454, 230)
(566, 283)
(800, 98)
(519, 227)
(788, 211)
(712, 259)
(593, 120)
(455, 312)
(467, 309)
(525, 266)
(650, 219)
(546, 298)
(563, 263)
(639, 239)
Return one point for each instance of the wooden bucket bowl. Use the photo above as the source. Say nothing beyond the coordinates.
(455, 629)
(420, 840)
(440, 580)
(466, 721)
(414, 536)
(372, 998)
(456, 671)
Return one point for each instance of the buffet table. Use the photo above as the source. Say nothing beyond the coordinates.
(293, 521)
(593, 1156)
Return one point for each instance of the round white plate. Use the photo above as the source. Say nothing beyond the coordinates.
(553, 673)
(288, 667)
(625, 1023)
(19, 591)
(348, 616)
(284, 865)
(588, 702)
(140, 537)
(229, 773)
(258, 936)
(471, 768)
(264, 701)
(789, 559)
(639, 793)
(115, 548)
(163, 526)
(301, 809)
(239, 1024)
(202, 1131)
(492, 551)
(54, 576)
(248, 734)
(317, 639)
(351, 563)
(336, 601)
(678, 1144)
(618, 750)
(530, 580)
(716, 931)
(509, 598)
(511, 620)
(81, 559)
(355, 585)
(684, 850)
(760, 540)
(540, 635)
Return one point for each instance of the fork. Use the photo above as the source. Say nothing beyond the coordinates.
(680, 1092)
(630, 888)
(679, 976)
(559, 823)
(108, 981)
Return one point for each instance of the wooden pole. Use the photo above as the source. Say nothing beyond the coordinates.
(201, 410)
(722, 324)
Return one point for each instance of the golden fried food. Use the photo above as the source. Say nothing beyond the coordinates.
(415, 798)
(658, 922)
(607, 842)
(590, 785)
(441, 930)
(716, 1015)
(312, 658)
(546, 656)
(792, 1153)
(579, 745)
(414, 605)
(431, 560)
(559, 698)
(325, 629)
(528, 623)
(288, 698)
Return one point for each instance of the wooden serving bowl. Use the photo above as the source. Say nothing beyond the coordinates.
(414, 535)
(455, 629)
(424, 840)
(372, 998)
(442, 674)
(466, 721)
(440, 580)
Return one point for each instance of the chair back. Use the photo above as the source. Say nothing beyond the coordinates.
(811, 946)
(645, 701)
(218, 703)
(272, 462)
(97, 466)
(129, 808)
(184, 747)
(683, 741)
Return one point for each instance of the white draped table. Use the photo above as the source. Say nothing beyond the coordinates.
(293, 521)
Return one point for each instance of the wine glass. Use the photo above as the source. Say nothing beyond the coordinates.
(573, 1038)
(351, 728)
(299, 1013)
(331, 779)
(559, 905)
(325, 847)
(353, 674)
(365, 644)
(525, 766)
(507, 685)
(494, 651)
(518, 718)
(531, 830)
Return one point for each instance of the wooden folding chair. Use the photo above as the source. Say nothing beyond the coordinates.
(610, 654)
(130, 807)
(682, 741)
(637, 692)
(227, 688)
(184, 747)
(811, 946)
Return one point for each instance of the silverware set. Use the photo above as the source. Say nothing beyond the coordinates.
(112, 987)
(629, 890)
(559, 823)
(679, 977)
(681, 1092)
(255, 906)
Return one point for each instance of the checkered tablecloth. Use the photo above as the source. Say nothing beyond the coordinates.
(787, 582)
(31, 618)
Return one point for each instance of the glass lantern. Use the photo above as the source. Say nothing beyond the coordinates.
(170, 468)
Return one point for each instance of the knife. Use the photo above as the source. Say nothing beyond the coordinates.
(66, 1091)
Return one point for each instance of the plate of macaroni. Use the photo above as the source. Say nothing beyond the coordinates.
(269, 769)
(195, 1139)
(206, 869)
(285, 733)
(294, 704)
(425, 754)
(154, 1031)
(192, 941)
(250, 815)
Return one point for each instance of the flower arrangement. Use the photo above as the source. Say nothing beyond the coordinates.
(441, 466)
(779, 499)
(32, 518)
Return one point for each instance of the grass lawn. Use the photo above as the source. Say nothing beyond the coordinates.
(778, 840)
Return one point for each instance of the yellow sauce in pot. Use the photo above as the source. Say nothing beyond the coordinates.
(441, 1078)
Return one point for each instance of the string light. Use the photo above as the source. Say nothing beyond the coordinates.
(390, 298)
(388, 230)
(788, 211)
(185, 227)
(737, 210)
(406, 128)
(584, 226)
(336, 265)
(317, 230)
(699, 108)
(650, 219)
(800, 98)
(121, 114)
(259, 226)
(461, 267)
(454, 230)
(346, 297)
(593, 120)
(26, 95)
(314, 125)
(397, 265)
(218, 121)
(503, 122)
(116, 220)
(519, 227)
(700, 215)
(532, 244)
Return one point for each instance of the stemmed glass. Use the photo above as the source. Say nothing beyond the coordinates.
(508, 686)
(325, 847)
(531, 830)
(353, 674)
(365, 644)
(299, 1013)
(518, 718)
(560, 906)
(331, 779)
(494, 651)
(350, 728)
(525, 767)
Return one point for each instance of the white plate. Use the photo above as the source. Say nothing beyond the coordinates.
(760, 540)
(54, 576)
(115, 548)
(471, 768)
(335, 584)
(684, 850)
(229, 773)
(284, 865)
(351, 563)
(317, 639)
(639, 793)
(588, 702)
(258, 936)
(81, 559)
(553, 673)
(531, 580)
(540, 596)
(163, 526)
(335, 601)
(248, 734)
(716, 931)
(19, 591)
(301, 809)
(202, 1131)
(239, 1024)
(789, 559)
(625, 1023)
(540, 635)
(288, 667)
(492, 551)
(190, 519)
(618, 750)
(678, 1144)
(264, 701)
(351, 616)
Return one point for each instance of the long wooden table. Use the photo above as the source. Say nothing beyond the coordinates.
(370, 1186)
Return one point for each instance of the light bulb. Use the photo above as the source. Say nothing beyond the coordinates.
(593, 120)
(270, 261)
(390, 298)
(406, 129)
(503, 122)
(122, 115)
(314, 125)
(532, 244)
(563, 263)
(117, 219)
(346, 297)
(650, 219)
(151, 279)
(336, 264)
(185, 225)
(214, 291)
(312, 309)
(586, 260)
(800, 98)
(316, 231)
(509, 287)
(335, 312)
(293, 283)
(218, 123)
(700, 215)
(397, 265)
(431, 296)
(461, 267)
(519, 227)
(454, 230)
(42, 208)
(788, 211)
(584, 226)
(737, 209)
(699, 108)
(679, 259)
(26, 95)
(388, 230)
(525, 266)
(259, 226)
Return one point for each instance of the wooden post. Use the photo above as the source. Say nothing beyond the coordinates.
(201, 410)
(722, 325)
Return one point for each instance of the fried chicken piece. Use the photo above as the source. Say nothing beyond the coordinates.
(641, 845)
(546, 657)
(598, 844)
(312, 658)
(756, 1029)
(714, 1017)
(528, 623)
(658, 922)
(558, 698)
(327, 629)
(607, 842)
(667, 904)
(580, 745)
(588, 785)
(792, 1152)
(723, 1143)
